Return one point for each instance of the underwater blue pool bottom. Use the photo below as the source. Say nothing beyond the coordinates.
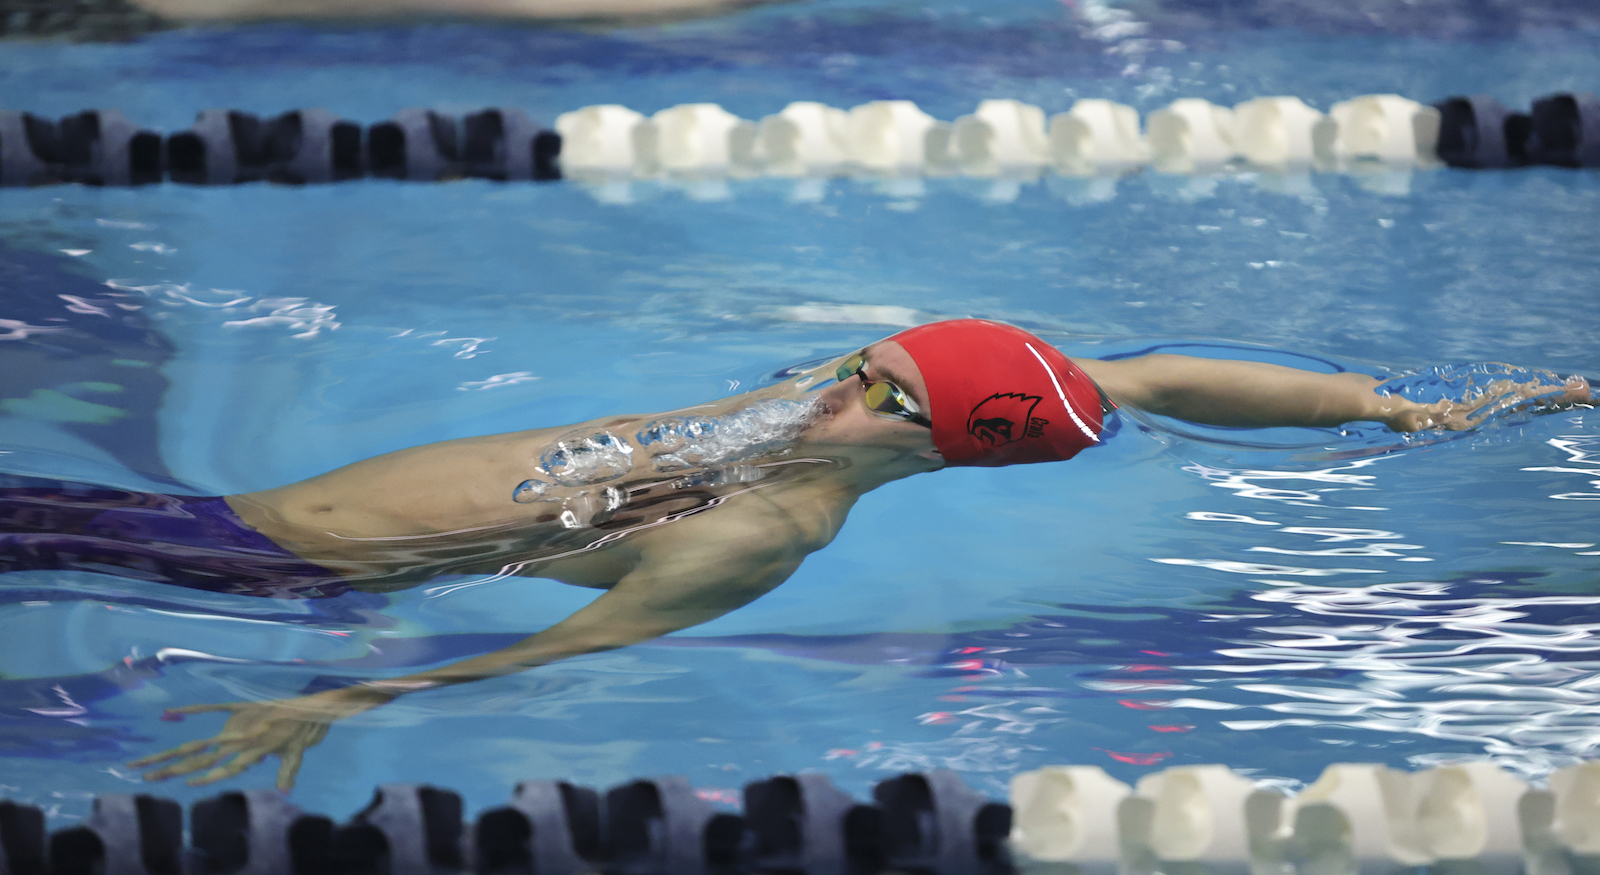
(666, 301)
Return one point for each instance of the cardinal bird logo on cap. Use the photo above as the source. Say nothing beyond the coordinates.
(1005, 417)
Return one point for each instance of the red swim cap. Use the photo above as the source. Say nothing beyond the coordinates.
(1001, 396)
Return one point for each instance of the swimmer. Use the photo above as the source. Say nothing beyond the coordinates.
(679, 517)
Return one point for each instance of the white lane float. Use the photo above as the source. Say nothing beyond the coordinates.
(1000, 138)
(1360, 819)
(804, 139)
(1358, 814)
(701, 140)
(1468, 816)
(1197, 815)
(1096, 137)
(1068, 814)
(1575, 807)
(606, 140)
(1379, 139)
(1384, 128)
(1276, 132)
(1191, 136)
(889, 136)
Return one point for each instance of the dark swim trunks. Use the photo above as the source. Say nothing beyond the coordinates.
(193, 541)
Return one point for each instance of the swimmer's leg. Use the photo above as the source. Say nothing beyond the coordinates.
(1258, 395)
(190, 541)
(29, 504)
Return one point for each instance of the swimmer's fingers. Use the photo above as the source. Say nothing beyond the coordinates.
(291, 749)
(201, 709)
(244, 760)
(181, 750)
(289, 768)
(1505, 395)
(194, 763)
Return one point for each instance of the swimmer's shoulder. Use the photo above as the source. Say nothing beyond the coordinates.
(804, 514)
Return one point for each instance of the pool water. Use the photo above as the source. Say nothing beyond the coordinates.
(1272, 601)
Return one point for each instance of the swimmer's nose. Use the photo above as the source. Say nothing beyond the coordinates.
(834, 398)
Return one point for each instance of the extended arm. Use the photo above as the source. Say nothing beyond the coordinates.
(662, 596)
(1259, 395)
(670, 589)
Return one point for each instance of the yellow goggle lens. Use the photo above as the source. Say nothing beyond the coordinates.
(883, 397)
(887, 398)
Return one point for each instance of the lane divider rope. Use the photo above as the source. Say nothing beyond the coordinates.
(889, 139)
(1356, 817)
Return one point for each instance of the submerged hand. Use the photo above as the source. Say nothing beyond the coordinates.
(285, 727)
(1500, 395)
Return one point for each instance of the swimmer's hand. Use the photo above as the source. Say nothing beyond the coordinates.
(286, 727)
(1551, 393)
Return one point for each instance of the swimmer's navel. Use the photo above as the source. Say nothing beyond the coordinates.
(322, 508)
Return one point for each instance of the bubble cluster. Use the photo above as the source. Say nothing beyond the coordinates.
(678, 442)
(587, 458)
(582, 457)
(578, 459)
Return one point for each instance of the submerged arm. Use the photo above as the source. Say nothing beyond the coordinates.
(1259, 395)
(671, 589)
(660, 597)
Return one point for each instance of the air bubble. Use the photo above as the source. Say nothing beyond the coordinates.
(580, 458)
(529, 491)
(662, 435)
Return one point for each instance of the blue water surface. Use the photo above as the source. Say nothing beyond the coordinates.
(1160, 600)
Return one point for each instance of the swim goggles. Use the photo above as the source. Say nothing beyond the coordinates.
(883, 397)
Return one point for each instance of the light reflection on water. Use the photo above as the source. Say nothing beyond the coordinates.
(1576, 448)
(1430, 659)
(1513, 673)
(1317, 639)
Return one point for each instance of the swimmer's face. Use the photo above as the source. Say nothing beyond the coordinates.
(849, 420)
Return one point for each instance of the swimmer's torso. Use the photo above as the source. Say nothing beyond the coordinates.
(522, 503)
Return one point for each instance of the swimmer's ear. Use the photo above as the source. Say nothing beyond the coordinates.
(932, 454)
